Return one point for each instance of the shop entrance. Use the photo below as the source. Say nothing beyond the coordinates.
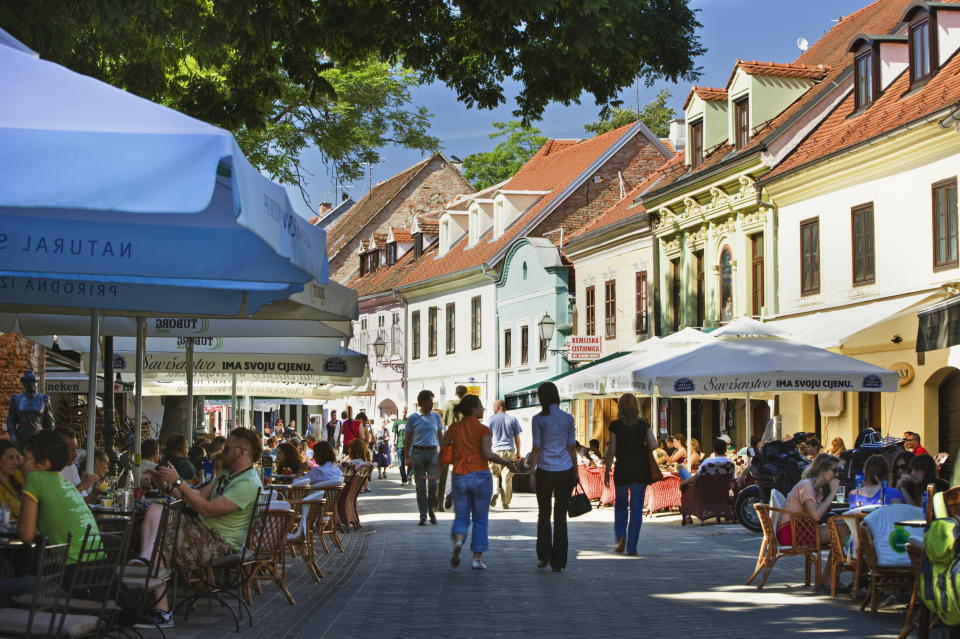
(949, 399)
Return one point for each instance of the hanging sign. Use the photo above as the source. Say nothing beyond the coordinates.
(584, 347)
(905, 372)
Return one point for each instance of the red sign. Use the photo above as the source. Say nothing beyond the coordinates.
(583, 347)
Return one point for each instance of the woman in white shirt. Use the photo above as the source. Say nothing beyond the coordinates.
(553, 475)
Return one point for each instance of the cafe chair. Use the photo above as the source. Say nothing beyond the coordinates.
(309, 511)
(329, 523)
(47, 615)
(841, 558)
(270, 558)
(889, 570)
(707, 494)
(805, 533)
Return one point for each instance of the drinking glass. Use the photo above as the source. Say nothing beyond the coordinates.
(841, 494)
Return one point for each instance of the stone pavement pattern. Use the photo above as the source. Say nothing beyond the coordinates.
(395, 580)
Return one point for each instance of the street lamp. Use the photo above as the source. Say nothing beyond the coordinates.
(380, 350)
(547, 326)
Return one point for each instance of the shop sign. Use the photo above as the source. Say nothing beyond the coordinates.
(583, 347)
(905, 371)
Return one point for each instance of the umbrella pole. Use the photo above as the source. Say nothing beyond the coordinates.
(655, 415)
(190, 415)
(689, 427)
(92, 389)
(747, 417)
(233, 403)
(138, 402)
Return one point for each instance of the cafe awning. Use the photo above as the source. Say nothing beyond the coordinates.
(939, 325)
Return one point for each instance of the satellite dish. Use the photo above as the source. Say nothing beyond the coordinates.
(802, 44)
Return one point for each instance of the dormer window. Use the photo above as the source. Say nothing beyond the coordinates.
(922, 50)
(373, 261)
(417, 245)
(391, 253)
(444, 236)
(363, 264)
(866, 77)
(498, 218)
(741, 114)
(696, 144)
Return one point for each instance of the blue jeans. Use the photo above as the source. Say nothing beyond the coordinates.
(471, 496)
(401, 460)
(620, 529)
(424, 466)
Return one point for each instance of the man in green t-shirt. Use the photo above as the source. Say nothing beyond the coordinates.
(51, 505)
(224, 507)
(399, 430)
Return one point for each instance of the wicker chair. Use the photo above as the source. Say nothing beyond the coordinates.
(350, 482)
(802, 527)
(304, 543)
(270, 563)
(591, 480)
(663, 495)
(914, 608)
(940, 459)
(351, 518)
(329, 523)
(881, 577)
(708, 494)
(840, 561)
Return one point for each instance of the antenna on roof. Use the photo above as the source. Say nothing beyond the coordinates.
(802, 44)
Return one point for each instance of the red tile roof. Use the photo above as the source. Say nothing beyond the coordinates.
(354, 221)
(830, 51)
(384, 279)
(779, 69)
(401, 236)
(892, 109)
(706, 93)
(625, 207)
(549, 170)
(429, 226)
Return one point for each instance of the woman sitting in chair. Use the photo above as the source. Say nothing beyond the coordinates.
(812, 496)
(875, 490)
(913, 485)
(289, 461)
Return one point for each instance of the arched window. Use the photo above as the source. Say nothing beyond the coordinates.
(726, 285)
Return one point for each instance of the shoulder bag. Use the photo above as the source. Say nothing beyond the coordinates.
(655, 473)
(579, 502)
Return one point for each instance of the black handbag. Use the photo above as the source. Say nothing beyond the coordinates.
(579, 502)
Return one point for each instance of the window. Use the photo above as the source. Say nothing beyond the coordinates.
(922, 50)
(866, 78)
(701, 294)
(524, 345)
(374, 259)
(363, 264)
(696, 144)
(640, 323)
(810, 256)
(862, 237)
(432, 331)
(417, 245)
(741, 109)
(507, 348)
(475, 341)
(415, 332)
(675, 290)
(381, 319)
(363, 335)
(726, 285)
(945, 224)
(756, 273)
(391, 253)
(610, 309)
(395, 334)
(451, 327)
(591, 310)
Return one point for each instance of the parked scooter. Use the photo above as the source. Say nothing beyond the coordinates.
(779, 465)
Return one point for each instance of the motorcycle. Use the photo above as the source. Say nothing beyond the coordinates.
(778, 464)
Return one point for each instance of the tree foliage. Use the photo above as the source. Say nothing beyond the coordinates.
(493, 167)
(656, 115)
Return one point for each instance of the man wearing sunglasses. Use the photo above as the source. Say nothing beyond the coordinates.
(911, 441)
(223, 507)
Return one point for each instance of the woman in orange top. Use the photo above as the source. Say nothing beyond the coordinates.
(469, 441)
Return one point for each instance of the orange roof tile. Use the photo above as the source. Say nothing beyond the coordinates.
(706, 93)
(891, 110)
(354, 221)
(830, 51)
(550, 171)
(401, 236)
(779, 69)
(429, 226)
(625, 207)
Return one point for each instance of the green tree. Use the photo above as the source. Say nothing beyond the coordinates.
(656, 115)
(492, 167)
(369, 111)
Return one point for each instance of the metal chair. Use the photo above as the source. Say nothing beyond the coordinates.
(805, 533)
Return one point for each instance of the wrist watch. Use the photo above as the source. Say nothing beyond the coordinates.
(177, 483)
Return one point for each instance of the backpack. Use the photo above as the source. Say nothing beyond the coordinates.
(940, 572)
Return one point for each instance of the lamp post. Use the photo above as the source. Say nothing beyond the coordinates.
(380, 351)
(547, 326)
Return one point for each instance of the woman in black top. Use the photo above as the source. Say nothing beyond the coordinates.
(631, 437)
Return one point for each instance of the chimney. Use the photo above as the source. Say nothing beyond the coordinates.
(678, 133)
(456, 163)
(323, 208)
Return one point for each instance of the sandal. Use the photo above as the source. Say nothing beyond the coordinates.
(455, 558)
(478, 565)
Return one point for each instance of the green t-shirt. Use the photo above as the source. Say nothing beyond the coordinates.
(60, 510)
(400, 430)
(185, 468)
(241, 489)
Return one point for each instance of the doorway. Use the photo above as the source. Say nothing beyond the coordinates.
(760, 416)
(949, 413)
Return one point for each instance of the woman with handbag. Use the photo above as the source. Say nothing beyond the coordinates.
(553, 474)
(632, 442)
(467, 446)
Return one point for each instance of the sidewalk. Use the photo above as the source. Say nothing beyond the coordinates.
(395, 580)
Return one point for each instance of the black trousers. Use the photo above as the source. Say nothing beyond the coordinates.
(553, 489)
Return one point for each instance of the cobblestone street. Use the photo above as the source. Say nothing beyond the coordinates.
(395, 580)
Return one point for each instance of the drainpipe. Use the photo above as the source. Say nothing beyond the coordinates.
(403, 380)
(496, 333)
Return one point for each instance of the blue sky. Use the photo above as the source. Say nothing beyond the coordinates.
(764, 30)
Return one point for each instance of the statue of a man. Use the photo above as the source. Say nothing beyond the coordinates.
(30, 411)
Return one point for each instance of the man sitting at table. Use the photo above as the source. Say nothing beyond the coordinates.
(711, 465)
(223, 508)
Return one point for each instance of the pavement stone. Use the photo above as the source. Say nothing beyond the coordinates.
(395, 580)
